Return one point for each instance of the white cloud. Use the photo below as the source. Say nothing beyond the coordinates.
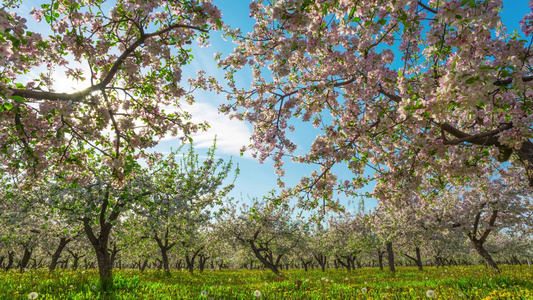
(231, 135)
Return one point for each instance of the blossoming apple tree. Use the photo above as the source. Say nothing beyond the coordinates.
(476, 205)
(128, 54)
(264, 227)
(185, 188)
(404, 87)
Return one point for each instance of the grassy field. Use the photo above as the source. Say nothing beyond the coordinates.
(461, 282)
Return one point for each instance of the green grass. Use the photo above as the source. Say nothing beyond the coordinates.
(408, 283)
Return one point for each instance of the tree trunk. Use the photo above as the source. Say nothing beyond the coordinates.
(164, 247)
(189, 260)
(164, 259)
(346, 264)
(55, 257)
(417, 260)
(105, 268)
(76, 257)
(25, 259)
(380, 259)
(143, 264)
(269, 263)
(306, 263)
(322, 260)
(390, 255)
(485, 255)
(526, 156)
(203, 260)
(103, 256)
(10, 259)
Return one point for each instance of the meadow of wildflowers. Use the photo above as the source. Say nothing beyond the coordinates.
(458, 282)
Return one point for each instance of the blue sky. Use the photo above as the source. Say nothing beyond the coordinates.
(256, 179)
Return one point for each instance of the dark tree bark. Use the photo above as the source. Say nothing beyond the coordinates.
(390, 256)
(417, 260)
(380, 259)
(100, 244)
(189, 260)
(267, 259)
(478, 242)
(179, 264)
(55, 257)
(322, 260)
(202, 260)
(25, 259)
(347, 261)
(76, 258)
(526, 156)
(10, 260)
(100, 241)
(164, 247)
(485, 255)
(305, 263)
(143, 264)
(515, 260)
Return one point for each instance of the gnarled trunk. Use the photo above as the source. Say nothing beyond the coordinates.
(306, 263)
(267, 260)
(76, 258)
(164, 247)
(485, 254)
(322, 260)
(417, 260)
(189, 260)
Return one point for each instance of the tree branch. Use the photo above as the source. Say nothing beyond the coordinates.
(484, 139)
(427, 7)
(79, 96)
(492, 220)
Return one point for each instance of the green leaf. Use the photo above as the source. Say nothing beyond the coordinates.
(18, 98)
(325, 9)
(8, 105)
(458, 17)
(470, 80)
(382, 22)
(481, 105)
(352, 11)
(454, 63)
(19, 85)
(56, 5)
